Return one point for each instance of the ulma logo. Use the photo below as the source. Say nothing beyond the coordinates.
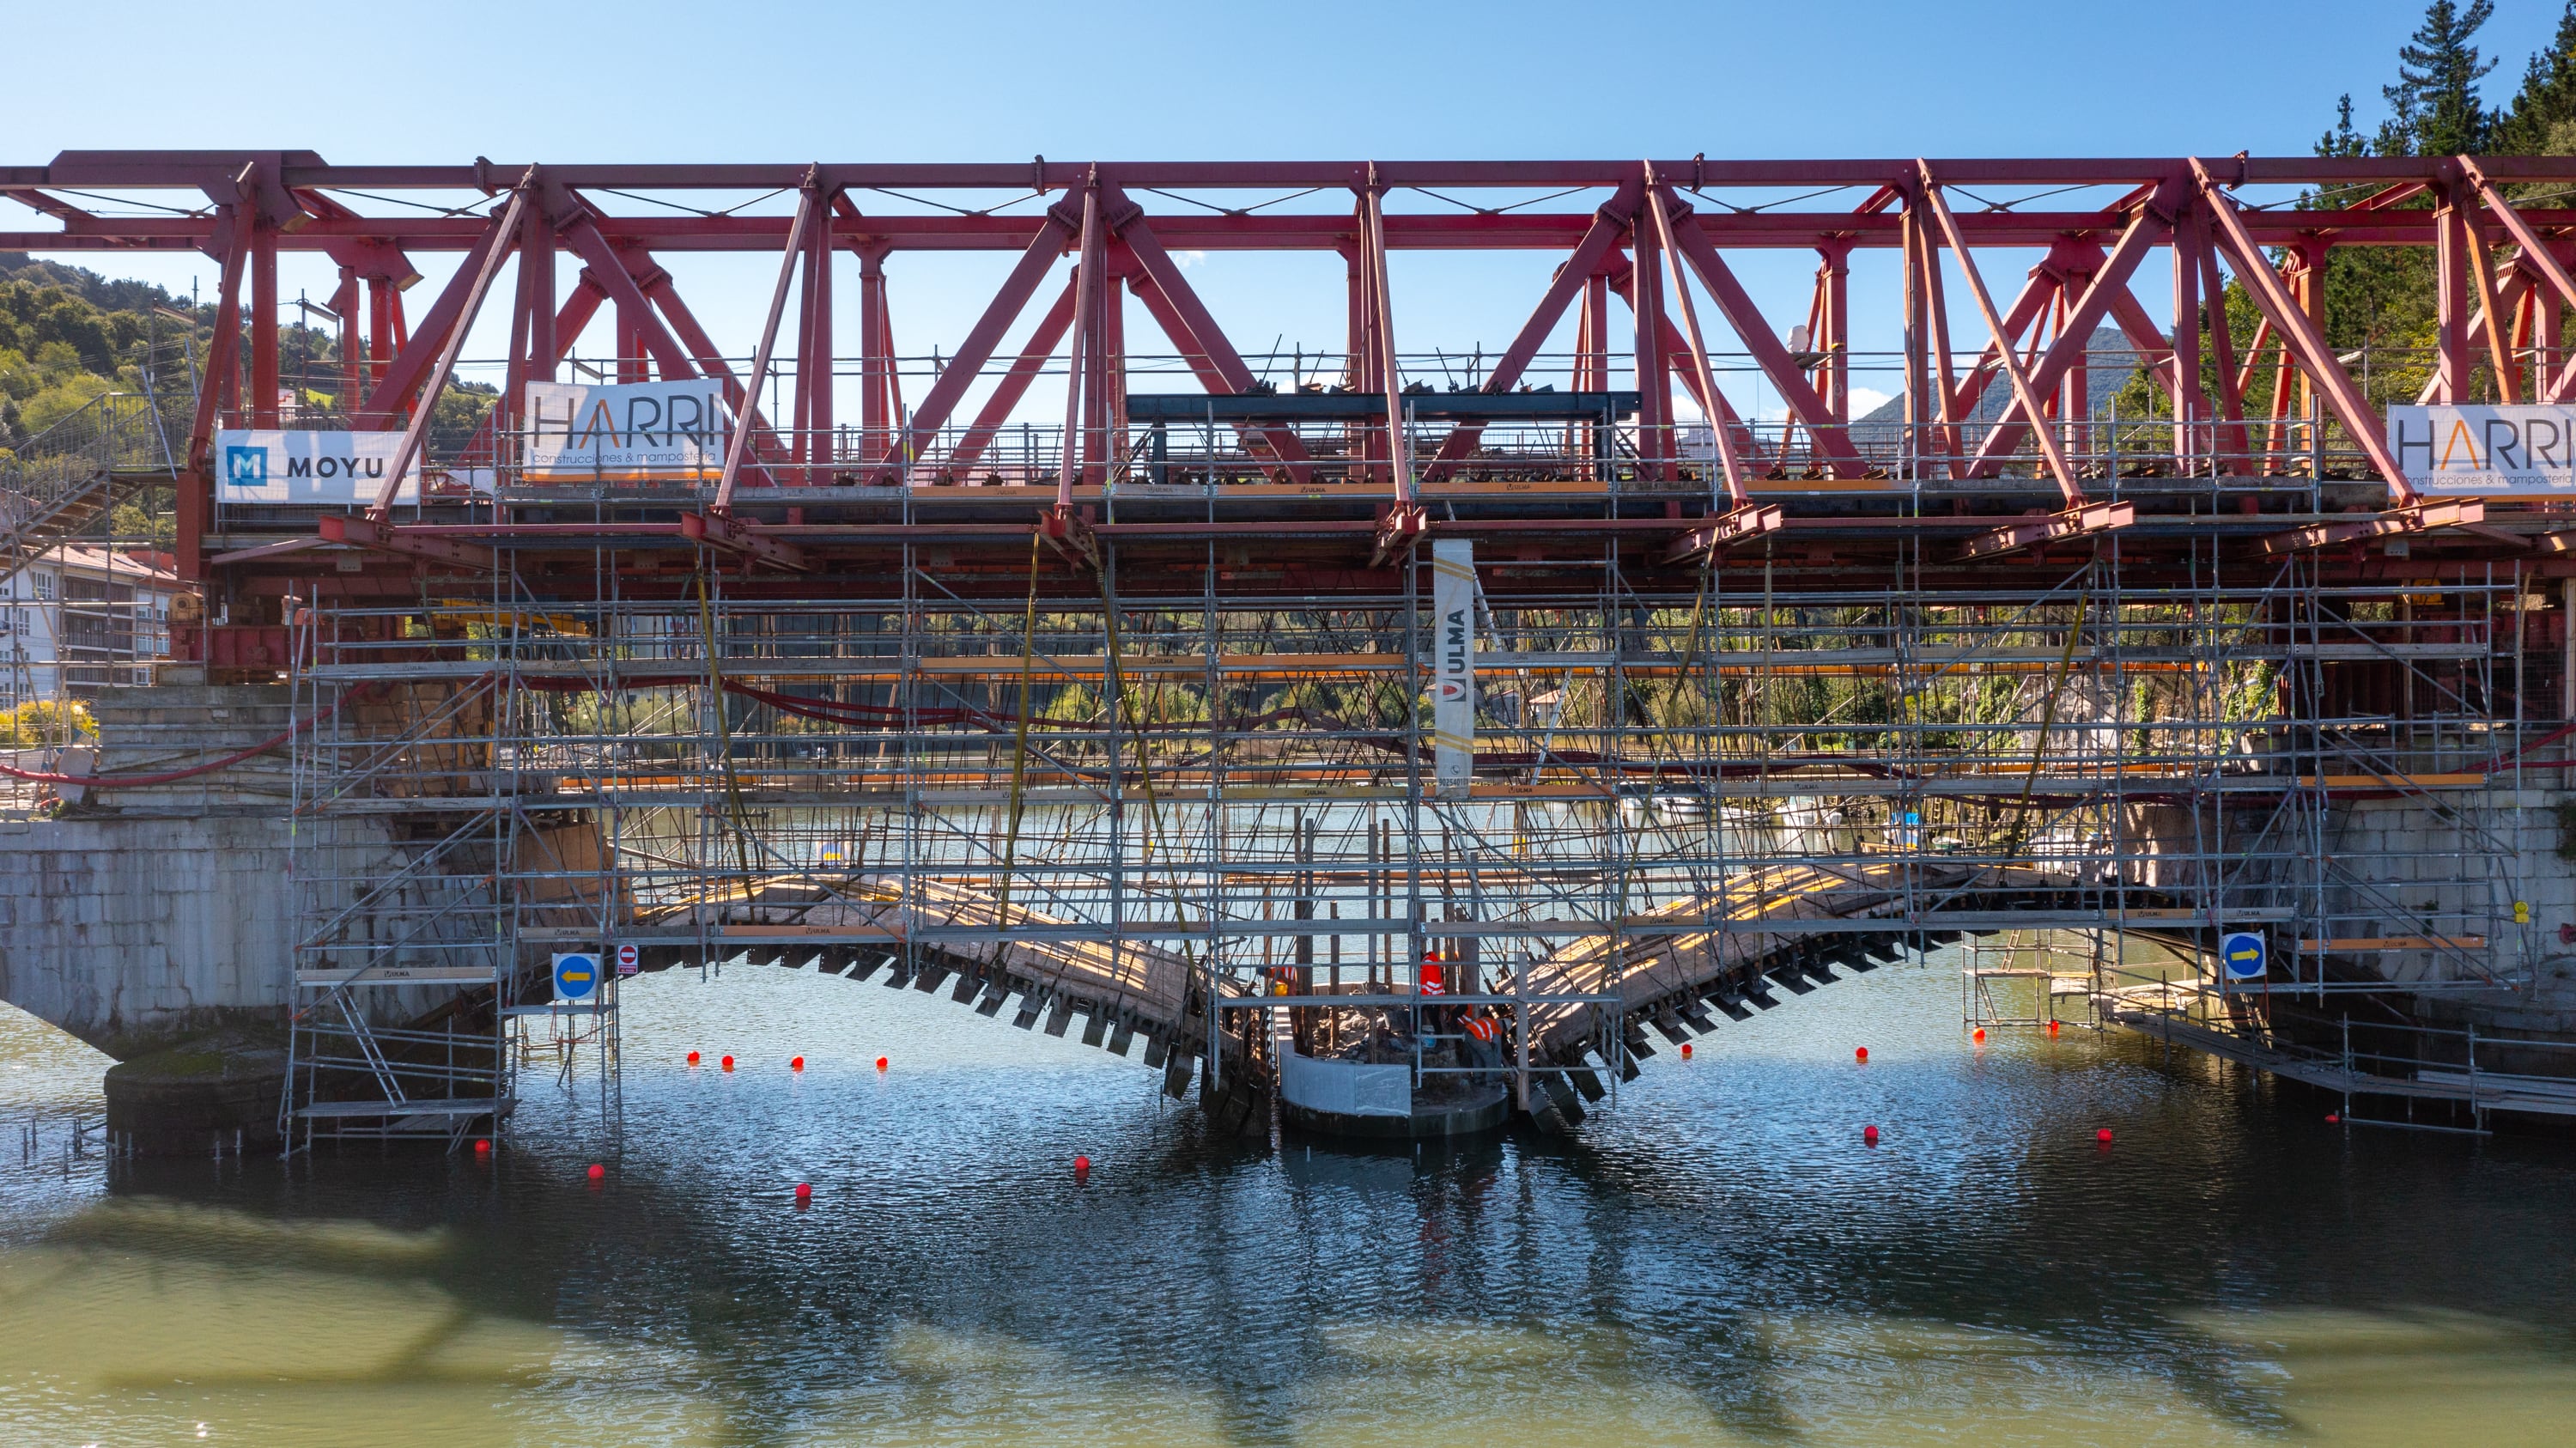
(246, 467)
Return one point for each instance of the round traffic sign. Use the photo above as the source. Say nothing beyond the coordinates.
(576, 976)
(629, 960)
(2242, 953)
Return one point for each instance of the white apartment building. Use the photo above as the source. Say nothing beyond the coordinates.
(77, 619)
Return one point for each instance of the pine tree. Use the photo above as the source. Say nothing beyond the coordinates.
(2547, 100)
(2343, 140)
(2434, 108)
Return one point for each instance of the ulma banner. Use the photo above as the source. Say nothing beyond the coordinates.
(1453, 666)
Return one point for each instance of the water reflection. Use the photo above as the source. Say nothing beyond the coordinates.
(1718, 1259)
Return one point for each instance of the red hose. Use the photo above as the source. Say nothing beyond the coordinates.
(173, 776)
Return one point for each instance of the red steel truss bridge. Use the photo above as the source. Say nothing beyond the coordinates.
(1949, 571)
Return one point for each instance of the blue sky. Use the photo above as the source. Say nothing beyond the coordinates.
(653, 81)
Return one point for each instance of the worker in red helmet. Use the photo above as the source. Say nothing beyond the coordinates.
(1428, 982)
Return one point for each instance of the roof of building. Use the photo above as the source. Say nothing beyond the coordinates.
(124, 567)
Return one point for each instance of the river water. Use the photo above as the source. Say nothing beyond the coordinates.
(1716, 1260)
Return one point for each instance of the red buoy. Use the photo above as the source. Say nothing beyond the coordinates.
(804, 1192)
(797, 1064)
(2334, 1118)
(1980, 1036)
(693, 1058)
(2103, 1136)
(597, 1172)
(483, 1144)
(1686, 1050)
(2052, 1028)
(728, 1063)
(1861, 1054)
(1869, 1136)
(880, 1063)
(1082, 1166)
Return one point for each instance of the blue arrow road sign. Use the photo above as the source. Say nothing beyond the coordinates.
(576, 976)
(2242, 952)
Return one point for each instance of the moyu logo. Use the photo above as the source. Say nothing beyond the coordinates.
(246, 467)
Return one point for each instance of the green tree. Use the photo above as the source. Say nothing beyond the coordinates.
(2434, 108)
(2546, 104)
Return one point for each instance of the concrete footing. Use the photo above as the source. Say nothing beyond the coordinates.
(200, 1098)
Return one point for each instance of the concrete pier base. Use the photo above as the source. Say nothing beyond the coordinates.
(210, 1097)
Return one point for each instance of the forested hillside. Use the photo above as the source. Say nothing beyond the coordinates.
(68, 334)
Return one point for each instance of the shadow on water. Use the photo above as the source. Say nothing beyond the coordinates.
(1718, 1258)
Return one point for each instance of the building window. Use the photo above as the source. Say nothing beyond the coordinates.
(44, 587)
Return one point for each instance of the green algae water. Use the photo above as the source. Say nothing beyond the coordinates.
(1715, 1260)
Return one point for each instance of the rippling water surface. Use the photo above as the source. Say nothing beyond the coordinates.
(1716, 1260)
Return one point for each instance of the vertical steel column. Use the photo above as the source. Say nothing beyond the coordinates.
(1654, 374)
(1917, 340)
(2451, 263)
(195, 507)
(353, 356)
(382, 300)
(814, 353)
(2075, 390)
(1110, 373)
(1382, 353)
(2187, 408)
(1833, 337)
(876, 366)
(537, 269)
(263, 321)
(1086, 314)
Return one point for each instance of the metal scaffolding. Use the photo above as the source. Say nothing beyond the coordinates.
(1235, 790)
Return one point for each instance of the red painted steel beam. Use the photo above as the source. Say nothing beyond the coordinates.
(744, 540)
(613, 272)
(2078, 520)
(1210, 352)
(1759, 340)
(404, 375)
(435, 381)
(195, 503)
(2360, 419)
(149, 168)
(2037, 292)
(1037, 258)
(378, 536)
(2536, 257)
(1600, 240)
(2408, 520)
(1014, 383)
(1660, 205)
(2152, 227)
(1516, 231)
(810, 211)
(1930, 195)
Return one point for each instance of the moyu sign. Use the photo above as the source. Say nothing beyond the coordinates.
(2483, 451)
(340, 468)
(625, 433)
